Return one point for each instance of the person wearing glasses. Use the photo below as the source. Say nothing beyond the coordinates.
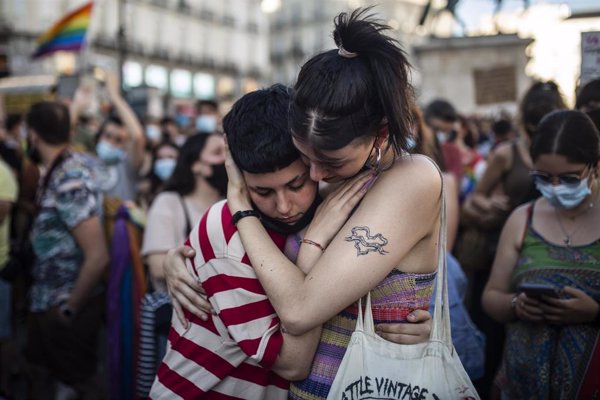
(552, 336)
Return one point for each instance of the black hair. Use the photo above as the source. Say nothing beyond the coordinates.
(51, 121)
(502, 127)
(258, 133)
(589, 93)
(167, 120)
(340, 98)
(539, 100)
(440, 109)
(183, 180)
(12, 120)
(110, 120)
(210, 103)
(570, 133)
(155, 181)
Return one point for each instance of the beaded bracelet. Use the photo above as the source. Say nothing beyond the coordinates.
(308, 241)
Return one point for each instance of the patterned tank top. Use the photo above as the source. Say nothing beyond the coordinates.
(546, 361)
(392, 300)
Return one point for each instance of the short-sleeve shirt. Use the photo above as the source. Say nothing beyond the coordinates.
(8, 193)
(71, 196)
(166, 223)
(229, 355)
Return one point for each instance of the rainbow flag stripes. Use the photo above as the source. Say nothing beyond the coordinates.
(68, 34)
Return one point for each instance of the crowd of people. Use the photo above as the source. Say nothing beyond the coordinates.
(292, 207)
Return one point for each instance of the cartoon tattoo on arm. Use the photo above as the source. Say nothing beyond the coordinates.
(365, 243)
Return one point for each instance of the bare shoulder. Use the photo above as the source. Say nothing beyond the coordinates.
(516, 223)
(502, 155)
(417, 173)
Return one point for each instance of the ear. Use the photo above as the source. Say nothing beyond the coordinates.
(382, 136)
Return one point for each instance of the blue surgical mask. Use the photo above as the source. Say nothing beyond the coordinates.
(164, 168)
(153, 132)
(182, 120)
(564, 196)
(442, 137)
(109, 153)
(206, 123)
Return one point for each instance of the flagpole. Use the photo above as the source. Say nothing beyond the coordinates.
(85, 51)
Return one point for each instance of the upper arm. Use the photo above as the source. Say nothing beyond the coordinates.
(451, 191)
(163, 229)
(507, 252)
(89, 235)
(496, 166)
(399, 214)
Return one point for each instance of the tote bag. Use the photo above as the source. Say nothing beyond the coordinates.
(374, 368)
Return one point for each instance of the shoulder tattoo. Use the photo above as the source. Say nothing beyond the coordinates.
(365, 243)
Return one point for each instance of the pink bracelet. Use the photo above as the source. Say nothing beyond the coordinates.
(308, 241)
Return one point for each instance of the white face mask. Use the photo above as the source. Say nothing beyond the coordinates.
(153, 132)
(564, 196)
(206, 123)
(442, 137)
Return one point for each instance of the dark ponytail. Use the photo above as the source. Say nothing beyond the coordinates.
(354, 90)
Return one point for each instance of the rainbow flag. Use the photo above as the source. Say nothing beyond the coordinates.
(68, 34)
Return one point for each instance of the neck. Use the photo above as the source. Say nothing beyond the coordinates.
(49, 153)
(204, 190)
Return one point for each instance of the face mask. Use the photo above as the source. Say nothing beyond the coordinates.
(564, 196)
(287, 229)
(182, 120)
(218, 179)
(206, 124)
(411, 143)
(153, 132)
(441, 137)
(108, 153)
(164, 168)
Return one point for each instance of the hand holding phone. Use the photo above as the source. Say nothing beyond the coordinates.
(537, 290)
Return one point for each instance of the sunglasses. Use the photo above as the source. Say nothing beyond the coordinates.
(563, 179)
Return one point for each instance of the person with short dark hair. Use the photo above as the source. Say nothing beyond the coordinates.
(551, 348)
(207, 116)
(588, 100)
(121, 146)
(70, 257)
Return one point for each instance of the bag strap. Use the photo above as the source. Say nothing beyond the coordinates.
(188, 225)
(441, 316)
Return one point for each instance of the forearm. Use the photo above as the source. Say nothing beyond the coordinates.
(281, 279)
(89, 276)
(133, 127)
(296, 355)
(498, 305)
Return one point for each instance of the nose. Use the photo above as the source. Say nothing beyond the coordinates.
(284, 205)
(317, 173)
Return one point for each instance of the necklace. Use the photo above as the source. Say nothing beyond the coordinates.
(569, 235)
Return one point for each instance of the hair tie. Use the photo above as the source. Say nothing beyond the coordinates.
(345, 53)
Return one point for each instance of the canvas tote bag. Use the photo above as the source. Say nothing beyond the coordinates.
(374, 368)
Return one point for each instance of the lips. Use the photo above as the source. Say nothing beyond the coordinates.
(290, 220)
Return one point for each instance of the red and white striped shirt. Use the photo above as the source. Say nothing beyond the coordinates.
(230, 355)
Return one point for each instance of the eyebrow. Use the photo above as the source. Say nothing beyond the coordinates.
(297, 177)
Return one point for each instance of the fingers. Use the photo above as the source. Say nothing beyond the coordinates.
(419, 316)
(405, 333)
(573, 292)
(179, 312)
(402, 339)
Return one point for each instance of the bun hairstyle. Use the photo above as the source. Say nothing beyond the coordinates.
(355, 90)
(541, 99)
(570, 133)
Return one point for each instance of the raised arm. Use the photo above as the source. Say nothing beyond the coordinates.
(129, 119)
(389, 224)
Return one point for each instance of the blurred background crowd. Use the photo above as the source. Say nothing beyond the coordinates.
(137, 111)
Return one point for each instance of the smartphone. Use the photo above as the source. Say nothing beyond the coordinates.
(537, 290)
